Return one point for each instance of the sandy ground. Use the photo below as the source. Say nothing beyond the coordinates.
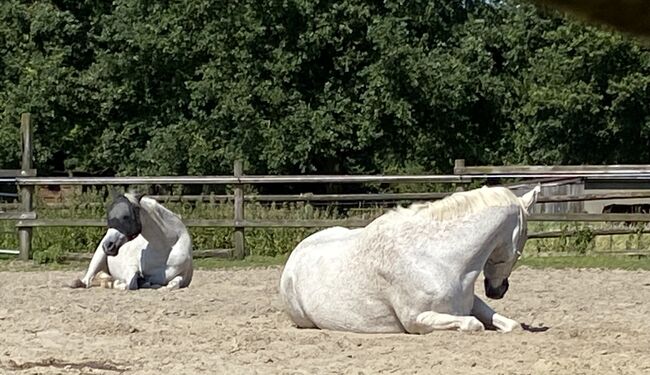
(231, 322)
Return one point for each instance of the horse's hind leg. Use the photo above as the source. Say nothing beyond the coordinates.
(429, 321)
(489, 317)
(174, 283)
(291, 300)
(130, 284)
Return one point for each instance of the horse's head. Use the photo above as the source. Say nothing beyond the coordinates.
(504, 257)
(123, 217)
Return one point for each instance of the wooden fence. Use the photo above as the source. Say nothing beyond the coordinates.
(28, 219)
(26, 192)
(239, 223)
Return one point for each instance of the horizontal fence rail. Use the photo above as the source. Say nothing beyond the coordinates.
(231, 180)
(17, 215)
(592, 197)
(589, 217)
(210, 253)
(7, 173)
(460, 168)
(277, 223)
(595, 232)
(308, 197)
(205, 223)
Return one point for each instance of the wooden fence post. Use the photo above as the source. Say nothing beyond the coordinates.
(26, 192)
(238, 234)
(459, 166)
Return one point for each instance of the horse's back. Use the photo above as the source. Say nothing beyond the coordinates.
(321, 287)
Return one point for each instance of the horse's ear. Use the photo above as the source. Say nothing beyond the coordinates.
(136, 195)
(529, 199)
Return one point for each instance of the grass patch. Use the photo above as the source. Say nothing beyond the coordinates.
(250, 261)
(8, 263)
(589, 261)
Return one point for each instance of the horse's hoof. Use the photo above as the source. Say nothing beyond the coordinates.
(471, 324)
(76, 283)
(511, 327)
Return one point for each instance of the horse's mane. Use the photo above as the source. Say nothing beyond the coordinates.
(135, 198)
(463, 203)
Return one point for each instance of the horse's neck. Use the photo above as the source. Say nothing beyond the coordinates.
(492, 229)
(157, 229)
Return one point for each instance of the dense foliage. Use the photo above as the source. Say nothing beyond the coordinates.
(291, 86)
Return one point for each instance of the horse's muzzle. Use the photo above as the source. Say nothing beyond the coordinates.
(498, 292)
(110, 248)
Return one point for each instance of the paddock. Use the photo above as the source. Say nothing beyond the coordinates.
(230, 322)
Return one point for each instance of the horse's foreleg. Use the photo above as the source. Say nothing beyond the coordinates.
(429, 321)
(97, 264)
(487, 316)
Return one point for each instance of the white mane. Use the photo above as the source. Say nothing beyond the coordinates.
(462, 204)
(165, 213)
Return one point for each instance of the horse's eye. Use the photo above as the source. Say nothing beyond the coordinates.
(125, 217)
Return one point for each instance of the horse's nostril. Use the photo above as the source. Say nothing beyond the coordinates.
(109, 247)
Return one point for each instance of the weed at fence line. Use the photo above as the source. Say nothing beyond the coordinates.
(579, 238)
(581, 261)
(575, 238)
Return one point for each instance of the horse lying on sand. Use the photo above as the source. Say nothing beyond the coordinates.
(145, 246)
(412, 269)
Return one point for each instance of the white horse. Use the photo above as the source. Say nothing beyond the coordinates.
(145, 246)
(412, 269)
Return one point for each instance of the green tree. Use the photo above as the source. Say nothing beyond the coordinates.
(352, 86)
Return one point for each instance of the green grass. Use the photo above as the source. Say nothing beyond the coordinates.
(251, 261)
(8, 263)
(588, 261)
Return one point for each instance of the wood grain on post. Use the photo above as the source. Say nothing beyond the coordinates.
(238, 234)
(26, 192)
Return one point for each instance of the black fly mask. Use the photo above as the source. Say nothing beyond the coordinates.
(124, 216)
